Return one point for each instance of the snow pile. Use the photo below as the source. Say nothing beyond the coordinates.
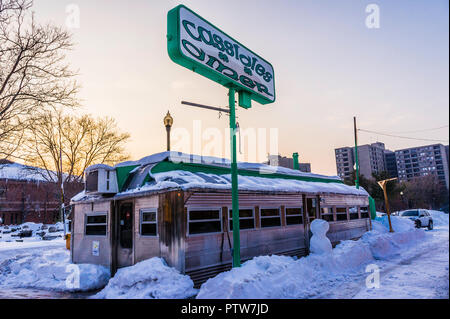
(399, 224)
(51, 270)
(313, 276)
(439, 218)
(148, 279)
(319, 243)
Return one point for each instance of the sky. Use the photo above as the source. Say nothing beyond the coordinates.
(329, 66)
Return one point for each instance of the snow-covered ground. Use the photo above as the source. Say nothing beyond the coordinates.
(47, 266)
(412, 263)
(32, 262)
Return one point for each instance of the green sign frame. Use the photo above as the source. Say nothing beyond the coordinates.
(218, 57)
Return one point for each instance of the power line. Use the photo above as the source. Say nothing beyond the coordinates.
(418, 131)
(405, 137)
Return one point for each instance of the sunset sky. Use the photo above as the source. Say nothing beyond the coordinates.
(328, 67)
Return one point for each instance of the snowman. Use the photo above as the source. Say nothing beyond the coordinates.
(319, 243)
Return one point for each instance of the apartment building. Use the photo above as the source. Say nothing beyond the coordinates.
(345, 161)
(288, 162)
(406, 164)
(421, 161)
(371, 159)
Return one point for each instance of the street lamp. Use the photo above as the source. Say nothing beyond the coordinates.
(403, 200)
(168, 121)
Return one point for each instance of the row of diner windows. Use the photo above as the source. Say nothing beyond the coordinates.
(204, 221)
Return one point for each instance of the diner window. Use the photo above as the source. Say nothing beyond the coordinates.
(204, 221)
(311, 204)
(341, 213)
(364, 211)
(294, 216)
(327, 213)
(270, 217)
(96, 224)
(353, 212)
(149, 222)
(246, 218)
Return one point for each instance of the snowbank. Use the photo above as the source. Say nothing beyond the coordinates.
(399, 224)
(50, 270)
(148, 279)
(439, 218)
(285, 277)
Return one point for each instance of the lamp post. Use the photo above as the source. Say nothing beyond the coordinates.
(403, 199)
(168, 121)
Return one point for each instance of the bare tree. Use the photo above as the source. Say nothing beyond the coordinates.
(33, 74)
(425, 192)
(80, 141)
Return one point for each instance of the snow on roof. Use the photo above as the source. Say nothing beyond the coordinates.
(18, 171)
(213, 173)
(179, 157)
(97, 166)
(188, 180)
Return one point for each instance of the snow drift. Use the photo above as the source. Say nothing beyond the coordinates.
(148, 279)
(285, 277)
(439, 218)
(49, 270)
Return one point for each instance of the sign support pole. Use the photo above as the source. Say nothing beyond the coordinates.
(234, 181)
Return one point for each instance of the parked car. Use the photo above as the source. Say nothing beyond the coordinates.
(421, 217)
(52, 232)
(25, 233)
(6, 230)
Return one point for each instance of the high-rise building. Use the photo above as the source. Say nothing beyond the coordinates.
(391, 163)
(345, 160)
(448, 160)
(406, 164)
(288, 162)
(422, 161)
(371, 159)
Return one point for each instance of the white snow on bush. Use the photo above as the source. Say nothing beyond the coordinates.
(313, 276)
(148, 279)
(49, 270)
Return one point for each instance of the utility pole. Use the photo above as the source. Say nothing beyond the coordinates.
(356, 153)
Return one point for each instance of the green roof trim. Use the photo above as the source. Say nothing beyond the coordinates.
(122, 174)
(167, 166)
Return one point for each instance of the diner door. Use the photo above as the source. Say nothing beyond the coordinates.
(125, 235)
(311, 212)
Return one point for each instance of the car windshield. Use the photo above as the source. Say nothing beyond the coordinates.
(410, 213)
